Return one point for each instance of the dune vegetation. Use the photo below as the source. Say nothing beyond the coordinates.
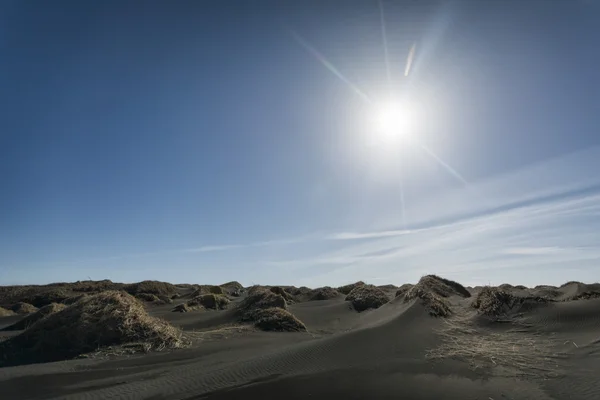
(109, 318)
(363, 297)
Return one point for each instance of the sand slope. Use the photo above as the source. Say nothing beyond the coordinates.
(378, 354)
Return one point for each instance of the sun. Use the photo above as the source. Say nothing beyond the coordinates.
(394, 122)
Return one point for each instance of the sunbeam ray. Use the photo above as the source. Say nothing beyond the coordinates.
(448, 168)
(385, 45)
(315, 53)
(389, 77)
(409, 60)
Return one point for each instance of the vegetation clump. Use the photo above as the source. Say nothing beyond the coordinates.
(324, 293)
(267, 311)
(364, 297)
(209, 301)
(24, 308)
(346, 289)
(151, 287)
(281, 291)
(110, 318)
(442, 287)
(435, 304)
(39, 315)
(6, 313)
(494, 302)
(403, 289)
(277, 319)
(148, 297)
(233, 288)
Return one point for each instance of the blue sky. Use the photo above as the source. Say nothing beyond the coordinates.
(206, 142)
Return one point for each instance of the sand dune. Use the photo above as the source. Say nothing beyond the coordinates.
(543, 349)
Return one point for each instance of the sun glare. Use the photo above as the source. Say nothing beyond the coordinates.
(394, 122)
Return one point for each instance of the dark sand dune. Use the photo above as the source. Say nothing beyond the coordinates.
(544, 350)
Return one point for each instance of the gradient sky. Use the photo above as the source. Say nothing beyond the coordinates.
(201, 142)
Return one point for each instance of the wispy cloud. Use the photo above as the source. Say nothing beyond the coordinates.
(531, 251)
(366, 235)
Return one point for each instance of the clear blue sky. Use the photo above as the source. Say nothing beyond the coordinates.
(203, 142)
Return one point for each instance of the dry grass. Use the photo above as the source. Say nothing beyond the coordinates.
(403, 289)
(233, 288)
(149, 297)
(324, 293)
(442, 287)
(39, 315)
(106, 319)
(41, 295)
(277, 319)
(267, 311)
(207, 289)
(281, 291)
(24, 308)
(183, 307)
(261, 298)
(436, 305)
(6, 313)
(346, 289)
(495, 302)
(152, 287)
(364, 297)
(586, 296)
(514, 352)
(208, 301)
(301, 291)
(74, 299)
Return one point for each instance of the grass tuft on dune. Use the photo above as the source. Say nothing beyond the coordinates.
(495, 302)
(277, 319)
(39, 315)
(436, 305)
(110, 318)
(324, 293)
(24, 308)
(346, 289)
(152, 287)
(443, 287)
(282, 292)
(6, 313)
(364, 297)
(403, 289)
(209, 301)
(268, 311)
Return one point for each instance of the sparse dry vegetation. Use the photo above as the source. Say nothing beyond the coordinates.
(261, 298)
(403, 289)
(24, 308)
(208, 301)
(149, 297)
(364, 297)
(324, 293)
(346, 289)
(436, 305)
(442, 287)
(6, 313)
(267, 311)
(513, 352)
(109, 318)
(280, 291)
(233, 288)
(495, 302)
(277, 319)
(39, 315)
(183, 307)
(151, 287)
